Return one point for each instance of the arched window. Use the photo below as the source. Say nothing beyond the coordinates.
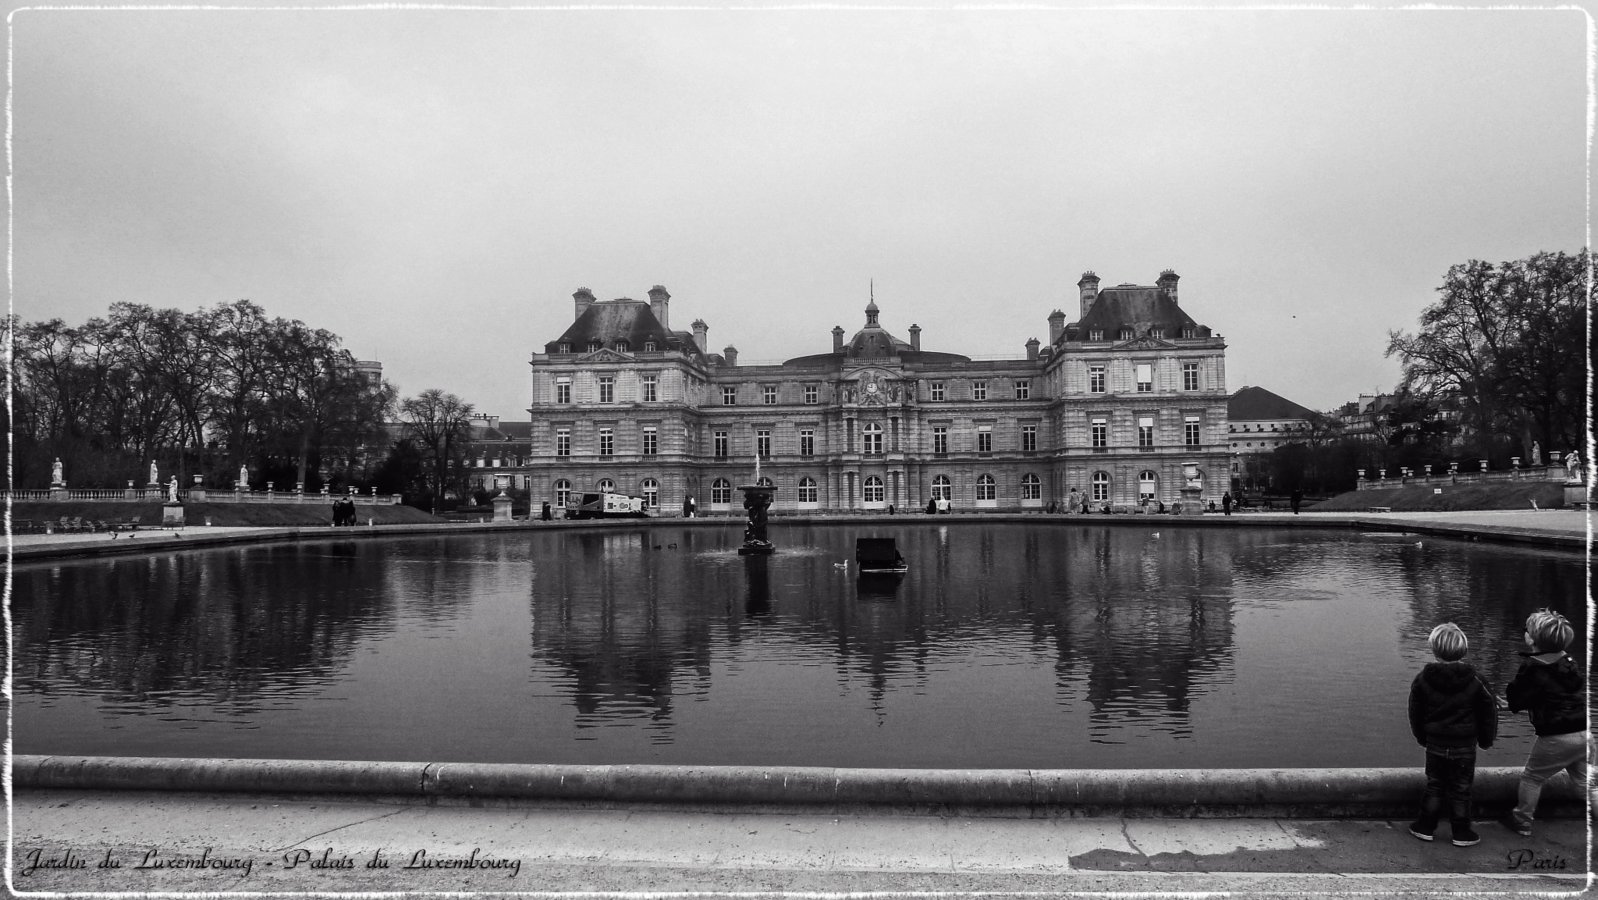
(721, 491)
(1101, 487)
(871, 439)
(606, 486)
(941, 489)
(650, 488)
(563, 493)
(873, 492)
(807, 490)
(986, 490)
(1031, 487)
(1147, 485)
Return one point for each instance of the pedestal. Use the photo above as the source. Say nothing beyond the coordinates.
(59, 492)
(172, 515)
(502, 508)
(1192, 503)
(1575, 495)
(757, 499)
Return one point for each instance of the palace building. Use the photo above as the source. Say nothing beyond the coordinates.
(1122, 405)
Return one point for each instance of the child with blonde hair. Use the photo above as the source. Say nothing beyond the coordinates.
(1551, 687)
(1451, 713)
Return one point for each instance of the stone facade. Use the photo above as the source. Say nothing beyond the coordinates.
(1112, 407)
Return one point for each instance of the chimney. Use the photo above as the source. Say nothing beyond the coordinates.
(1167, 283)
(700, 332)
(1032, 350)
(730, 354)
(1056, 326)
(837, 339)
(915, 337)
(584, 298)
(1089, 286)
(659, 302)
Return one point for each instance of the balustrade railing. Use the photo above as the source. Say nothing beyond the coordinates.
(148, 495)
(1367, 482)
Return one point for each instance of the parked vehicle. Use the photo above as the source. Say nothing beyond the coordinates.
(605, 506)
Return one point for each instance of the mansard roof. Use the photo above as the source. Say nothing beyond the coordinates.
(624, 319)
(1139, 308)
(872, 343)
(1253, 404)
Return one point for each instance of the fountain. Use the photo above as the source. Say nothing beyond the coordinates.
(757, 499)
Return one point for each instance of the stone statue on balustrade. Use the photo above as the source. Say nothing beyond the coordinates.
(172, 490)
(244, 478)
(57, 476)
(155, 474)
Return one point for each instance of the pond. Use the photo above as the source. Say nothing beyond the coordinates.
(1054, 645)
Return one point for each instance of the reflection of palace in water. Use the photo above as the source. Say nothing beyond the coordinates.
(1134, 624)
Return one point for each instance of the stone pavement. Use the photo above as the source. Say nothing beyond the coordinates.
(254, 843)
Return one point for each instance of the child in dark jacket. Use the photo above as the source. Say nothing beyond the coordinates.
(1451, 714)
(1552, 688)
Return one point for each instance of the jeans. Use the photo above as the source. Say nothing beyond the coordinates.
(1450, 772)
(1551, 754)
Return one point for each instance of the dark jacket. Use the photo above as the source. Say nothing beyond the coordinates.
(1450, 707)
(1554, 692)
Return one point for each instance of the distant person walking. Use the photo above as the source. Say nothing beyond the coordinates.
(1226, 503)
(1551, 687)
(1295, 498)
(1451, 713)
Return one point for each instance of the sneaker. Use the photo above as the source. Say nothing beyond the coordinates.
(1509, 821)
(1421, 832)
(1466, 837)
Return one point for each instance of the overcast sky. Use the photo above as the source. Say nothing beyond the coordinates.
(433, 184)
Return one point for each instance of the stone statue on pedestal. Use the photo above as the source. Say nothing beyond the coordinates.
(1574, 470)
(172, 490)
(244, 478)
(155, 474)
(57, 477)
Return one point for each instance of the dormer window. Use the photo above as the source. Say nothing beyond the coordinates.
(649, 346)
(1187, 331)
(622, 346)
(1126, 334)
(594, 345)
(564, 347)
(1157, 333)
(1096, 334)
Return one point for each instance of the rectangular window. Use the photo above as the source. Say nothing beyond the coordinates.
(720, 438)
(1023, 390)
(812, 393)
(1145, 378)
(1190, 378)
(607, 389)
(1095, 379)
(607, 442)
(940, 439)
(1190, 431)
(1096, 334)
(651, 441)
(729, 395)
(979, 390)
(769, 394)
(563, 442)
(937, 390)
(985, 439)
(563, 390)
(763, 443)
(651, 388)
(807, 490)
(1029, 438)
(807, 442)
(1145, 433)
(1101, 434)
